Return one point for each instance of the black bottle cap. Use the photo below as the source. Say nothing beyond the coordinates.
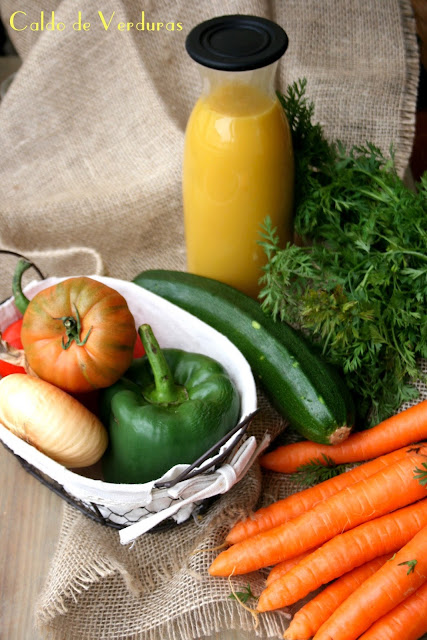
(236, 43)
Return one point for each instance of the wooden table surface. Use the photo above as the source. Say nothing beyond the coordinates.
(30, 519)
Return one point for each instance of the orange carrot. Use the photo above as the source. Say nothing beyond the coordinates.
(395, 581)
(344, 552)
(281, 568)
(400, 430)
(389, 489)
(312, 615)
(283, 510)
(407, 621)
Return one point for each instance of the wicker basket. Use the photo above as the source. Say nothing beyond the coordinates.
(137, 508)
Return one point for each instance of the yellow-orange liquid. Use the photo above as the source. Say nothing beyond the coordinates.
(238, 169)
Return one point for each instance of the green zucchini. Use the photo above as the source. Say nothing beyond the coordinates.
(303, 388)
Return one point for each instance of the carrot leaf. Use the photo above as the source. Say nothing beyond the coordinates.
(356, 283)
(421, 474)
(318, 470)
(244, 595)
(411, 564)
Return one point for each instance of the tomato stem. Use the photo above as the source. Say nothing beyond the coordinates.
(73, 328)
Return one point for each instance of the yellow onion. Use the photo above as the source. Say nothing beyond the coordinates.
(51, 420)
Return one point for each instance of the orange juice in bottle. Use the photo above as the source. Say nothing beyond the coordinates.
(238, 161)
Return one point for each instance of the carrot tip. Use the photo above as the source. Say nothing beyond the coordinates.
(263, 605)
(219, 567)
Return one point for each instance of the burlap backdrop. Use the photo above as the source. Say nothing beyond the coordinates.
(91, 135)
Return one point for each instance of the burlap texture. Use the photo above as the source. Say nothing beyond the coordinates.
(92, 128)
(91, 132)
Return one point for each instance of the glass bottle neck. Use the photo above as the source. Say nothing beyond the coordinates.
(262, 80)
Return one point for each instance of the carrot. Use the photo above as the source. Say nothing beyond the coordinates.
(389, 489)
(343, 553)
(281, 568)
(408, 620)
(400, 430)
(283, 510)
(312, 615)
(396, 580)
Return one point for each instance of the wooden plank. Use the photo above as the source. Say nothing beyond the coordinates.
(30, 519)
(29, 525)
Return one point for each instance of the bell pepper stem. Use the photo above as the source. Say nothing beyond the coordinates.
(164, 390)
(21, 301)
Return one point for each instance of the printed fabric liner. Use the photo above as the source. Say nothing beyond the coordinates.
(91, 132)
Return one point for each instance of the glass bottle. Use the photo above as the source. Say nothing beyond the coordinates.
(238, 160)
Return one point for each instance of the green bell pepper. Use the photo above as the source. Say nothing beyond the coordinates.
(170, 407)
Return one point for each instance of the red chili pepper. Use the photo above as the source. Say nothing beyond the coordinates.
(12, 335)
(139, 350)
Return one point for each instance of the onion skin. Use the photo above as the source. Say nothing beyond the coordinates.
(51, 420)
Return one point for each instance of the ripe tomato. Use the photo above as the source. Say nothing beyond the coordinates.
(78, 334)
(12, 335)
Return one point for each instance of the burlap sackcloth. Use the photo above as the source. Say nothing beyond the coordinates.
(91, 132)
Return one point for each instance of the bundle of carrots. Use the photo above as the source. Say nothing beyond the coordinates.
(362, 533)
